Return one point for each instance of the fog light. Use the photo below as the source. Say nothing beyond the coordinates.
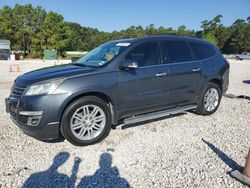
(31, 113)
(34, 121)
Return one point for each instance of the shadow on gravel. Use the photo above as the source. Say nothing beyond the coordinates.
(246, 81)
(51, 177)
(105, 176)
(227, 160)
(149, 121)
(232, 96)
(59, 140)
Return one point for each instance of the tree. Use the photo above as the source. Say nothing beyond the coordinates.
(182, 30)
(211, 26)
(32, 29)
(248, 19)
(75, 36)
(237, 40)
(211, 38)
(6, 30)
(37, 41)
(23, 26)
(54, 32)
(222, 35)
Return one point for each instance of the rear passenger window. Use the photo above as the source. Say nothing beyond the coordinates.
(202, 51)
(146, 54)
(177, 51)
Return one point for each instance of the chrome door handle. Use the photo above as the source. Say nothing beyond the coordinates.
(161, 74)
(196, 69)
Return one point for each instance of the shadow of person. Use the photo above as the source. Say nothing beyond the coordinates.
(51, 177)
(106, 176)
(227, 160)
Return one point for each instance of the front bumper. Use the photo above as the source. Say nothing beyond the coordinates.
(24, 110)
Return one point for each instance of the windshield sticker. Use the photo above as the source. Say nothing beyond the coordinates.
(123, 44)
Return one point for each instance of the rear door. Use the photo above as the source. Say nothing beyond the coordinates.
(184, 73)
(248, 55)
(144, 86)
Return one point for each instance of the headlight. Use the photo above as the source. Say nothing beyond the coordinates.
(44, 88)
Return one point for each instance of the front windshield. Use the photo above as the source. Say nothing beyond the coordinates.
(102, 54)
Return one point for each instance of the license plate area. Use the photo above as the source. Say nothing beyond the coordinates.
(11, 107)
(7, 105)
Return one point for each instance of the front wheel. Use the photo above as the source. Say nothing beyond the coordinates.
(86, 121)
(209, 100)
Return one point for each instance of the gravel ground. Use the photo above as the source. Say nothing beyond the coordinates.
(185, 150)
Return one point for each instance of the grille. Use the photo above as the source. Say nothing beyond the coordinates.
(17, 90)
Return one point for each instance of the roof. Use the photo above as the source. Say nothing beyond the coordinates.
(171, 37)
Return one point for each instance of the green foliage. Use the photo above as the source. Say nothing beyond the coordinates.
(32, 29)
(232, 39)
(211, 38)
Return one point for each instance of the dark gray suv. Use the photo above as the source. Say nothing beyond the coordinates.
(129, 80)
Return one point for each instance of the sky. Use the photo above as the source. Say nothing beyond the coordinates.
(110, 15)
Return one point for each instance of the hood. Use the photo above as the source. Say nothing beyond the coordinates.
(50, 73)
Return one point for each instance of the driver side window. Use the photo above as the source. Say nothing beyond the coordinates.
(146, 54)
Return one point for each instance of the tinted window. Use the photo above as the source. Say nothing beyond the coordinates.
(202, 51)
(146, 54)
(177, 51)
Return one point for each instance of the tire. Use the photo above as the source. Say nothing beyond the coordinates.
(76, 129)
(202, 108)
(3, 57)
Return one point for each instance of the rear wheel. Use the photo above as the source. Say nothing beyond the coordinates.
(209, 100)
(86, 121)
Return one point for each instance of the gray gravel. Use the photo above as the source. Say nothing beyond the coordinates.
(186, 150)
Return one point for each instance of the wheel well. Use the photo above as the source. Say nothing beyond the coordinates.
(99, 95)
(217, 82)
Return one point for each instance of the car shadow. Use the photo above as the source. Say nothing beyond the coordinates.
(59, 140)
(224, 157)
(105, 176)
(243, 97)
(232, 96)
(148, 121)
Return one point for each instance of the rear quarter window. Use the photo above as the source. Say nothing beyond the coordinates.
(202, 51)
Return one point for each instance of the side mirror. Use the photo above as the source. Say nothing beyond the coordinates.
(129, 64)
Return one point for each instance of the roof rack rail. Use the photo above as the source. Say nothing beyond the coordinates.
(160, 34)
(169, 34)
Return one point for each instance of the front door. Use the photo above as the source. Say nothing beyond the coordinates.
(144, 86)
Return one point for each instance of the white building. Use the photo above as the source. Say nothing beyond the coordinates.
(4, 49)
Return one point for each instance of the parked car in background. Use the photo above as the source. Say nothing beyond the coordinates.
(129, 80)
(244, 55)
(5, 49)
